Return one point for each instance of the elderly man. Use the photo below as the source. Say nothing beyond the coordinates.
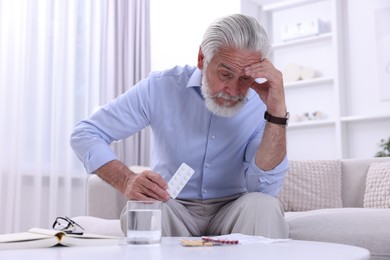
(220, 119)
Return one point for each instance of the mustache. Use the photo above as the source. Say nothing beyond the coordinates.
(227, 97)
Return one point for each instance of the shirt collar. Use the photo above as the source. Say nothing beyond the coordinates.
(195, 79)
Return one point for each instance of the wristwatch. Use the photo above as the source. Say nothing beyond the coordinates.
(277, 120)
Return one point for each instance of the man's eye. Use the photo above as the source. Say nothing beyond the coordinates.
(246, 78)
(226, 75)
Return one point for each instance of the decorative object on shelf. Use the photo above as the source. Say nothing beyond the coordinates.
(291, 72)
(302, 29)
(385, 145)
(307, 73)
(308, 116)
(294, 72)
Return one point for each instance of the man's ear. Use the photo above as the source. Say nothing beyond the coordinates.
(200, 59)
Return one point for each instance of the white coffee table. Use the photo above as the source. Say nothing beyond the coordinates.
(170, 249)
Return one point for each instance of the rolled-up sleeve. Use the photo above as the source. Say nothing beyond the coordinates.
(92, 151)
(268, 182)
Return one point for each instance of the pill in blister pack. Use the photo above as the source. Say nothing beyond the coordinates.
(179, 180)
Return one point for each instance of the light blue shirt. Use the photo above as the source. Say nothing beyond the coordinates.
(220, 150)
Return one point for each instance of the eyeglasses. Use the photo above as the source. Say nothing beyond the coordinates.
(68, 226)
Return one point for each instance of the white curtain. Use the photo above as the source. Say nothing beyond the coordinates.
(59, 60)
(128, 50)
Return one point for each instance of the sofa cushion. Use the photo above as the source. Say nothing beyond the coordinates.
(377, 193)
(368, 228)
(312, 185)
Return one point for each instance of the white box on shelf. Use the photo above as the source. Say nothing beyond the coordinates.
(301, 29)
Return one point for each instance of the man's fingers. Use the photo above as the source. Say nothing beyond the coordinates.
(151, 185)
(140, 196)
(258, 70)
(156, 178)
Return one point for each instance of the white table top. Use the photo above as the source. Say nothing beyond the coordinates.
(170, 249)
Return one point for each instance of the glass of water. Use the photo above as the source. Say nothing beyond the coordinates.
(144, 222)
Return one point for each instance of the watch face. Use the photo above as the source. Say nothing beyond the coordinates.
(287, 118)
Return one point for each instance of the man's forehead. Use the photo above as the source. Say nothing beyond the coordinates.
(235, 60)
(233, 67)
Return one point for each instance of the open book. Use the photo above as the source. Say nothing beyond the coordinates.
(37, 237)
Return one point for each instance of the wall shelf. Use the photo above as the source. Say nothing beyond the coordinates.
(348, 119)
(311, 123)
(307, 40)
(286, 5)
(319, 52)
(308, 83)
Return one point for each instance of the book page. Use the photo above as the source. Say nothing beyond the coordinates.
(88, 241)
(85, 239)
(23, 236)
(95, 236)
(26, 240)
(60, 234)
(47, 232)
(38, 238)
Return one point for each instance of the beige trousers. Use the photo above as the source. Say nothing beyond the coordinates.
(249, 213)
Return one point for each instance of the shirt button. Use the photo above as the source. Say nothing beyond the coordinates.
(212, 136)
(204, 190)
(206, 165)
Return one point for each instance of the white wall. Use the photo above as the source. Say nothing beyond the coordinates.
(177, 28)
(365, 60)
(362, 58)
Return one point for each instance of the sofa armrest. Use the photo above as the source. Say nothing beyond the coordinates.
(354, 180)
(103, 200)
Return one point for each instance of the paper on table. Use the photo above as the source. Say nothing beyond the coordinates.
(247, 239)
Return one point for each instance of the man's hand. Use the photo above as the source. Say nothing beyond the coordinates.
(146, 186)
(271, 91)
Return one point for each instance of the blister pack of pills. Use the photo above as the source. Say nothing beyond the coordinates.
(179, 180)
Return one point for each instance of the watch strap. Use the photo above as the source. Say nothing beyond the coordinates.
(276, 120)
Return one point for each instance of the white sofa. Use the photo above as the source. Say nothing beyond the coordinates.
(347, 223)
(351, 223)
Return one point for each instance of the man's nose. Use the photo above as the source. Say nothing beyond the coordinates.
(235, 87)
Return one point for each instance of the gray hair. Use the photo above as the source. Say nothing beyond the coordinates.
(235, 31)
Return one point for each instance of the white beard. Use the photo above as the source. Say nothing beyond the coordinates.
(224, 110)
